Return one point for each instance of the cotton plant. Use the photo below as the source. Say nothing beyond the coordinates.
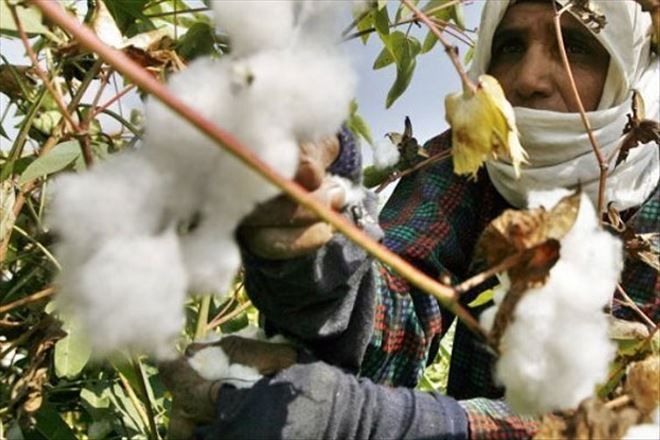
(556, 348)
(143, 229)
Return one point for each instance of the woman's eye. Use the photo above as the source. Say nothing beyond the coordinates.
(509, 47)
(576, 47)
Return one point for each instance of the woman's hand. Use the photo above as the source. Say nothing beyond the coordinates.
(282, 229)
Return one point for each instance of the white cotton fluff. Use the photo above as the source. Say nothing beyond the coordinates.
(212, 364)
(307, 90)
(130, 294)
(645, 431)
(120, 197)
(386, 154)
(556, 349)
(353, 194)
(255, 25)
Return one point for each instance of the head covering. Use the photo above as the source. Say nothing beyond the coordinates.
(560, 153)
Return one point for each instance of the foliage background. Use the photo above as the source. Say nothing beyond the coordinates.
(49, 386)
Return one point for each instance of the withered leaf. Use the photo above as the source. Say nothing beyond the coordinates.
(643, 384)
(591, 420)
(638, 130)
(532, 271)
(515, 231)
(644, 247)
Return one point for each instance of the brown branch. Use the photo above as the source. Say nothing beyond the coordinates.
(114, 99)
(602, 164)
(630, 303)
(228, 317)
(618, 402)
(38, 296)
(479, 278)
(423, 164)
(59, 101)
(452, 52)
(143, 79)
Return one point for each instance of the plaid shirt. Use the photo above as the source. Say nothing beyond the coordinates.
(433, 220)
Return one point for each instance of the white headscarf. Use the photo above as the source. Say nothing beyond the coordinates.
(560, 153)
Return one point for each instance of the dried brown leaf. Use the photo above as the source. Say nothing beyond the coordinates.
(644, 247)
(591, 420)
(638, 129)
(643, 384)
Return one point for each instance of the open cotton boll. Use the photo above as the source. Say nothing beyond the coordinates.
(212, 364)
(211, 258)
(183, 155)
(130, 295)
(119, 197)
(255, 25)
(386, 154)
(306, 90)
(556, 349)
(645, 431)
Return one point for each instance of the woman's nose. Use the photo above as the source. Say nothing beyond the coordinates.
(534, 84)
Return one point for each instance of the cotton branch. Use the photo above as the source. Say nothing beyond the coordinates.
(143, 79)
(452, 52)
(602, 163)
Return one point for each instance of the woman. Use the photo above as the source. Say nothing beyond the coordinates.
(354, 313)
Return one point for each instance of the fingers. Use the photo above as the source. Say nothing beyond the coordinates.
(268, 358)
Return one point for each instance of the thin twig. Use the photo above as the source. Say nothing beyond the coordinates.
(602, 164)
(40, 246)
(57, 97)
(618, 402)
(38, 296)
(423, 164)
(630, 303)
(175, 12)
(37, 69)
(143, 79)
(134, 399)
(479, 278)
(452, 52)
(228, 317)
(112, 100)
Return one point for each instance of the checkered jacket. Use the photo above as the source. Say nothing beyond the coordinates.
(433, 220)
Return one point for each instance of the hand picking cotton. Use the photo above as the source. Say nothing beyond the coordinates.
(163, 217)
(556, 349)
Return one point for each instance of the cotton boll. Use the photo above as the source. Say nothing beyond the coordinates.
(242, 376)
(255, 25)
(306, 90)
(183, 155)
(386, 154)
(211, 363)
(130, 295)
(119, 197)
(353, 194)
(556, 348)
(211, 258)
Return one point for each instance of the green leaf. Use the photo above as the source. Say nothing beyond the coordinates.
(382, 22)
(384, 59)
(458, 16)
(7, 199)
(483, 298)
(441, 14)
(3, 133)
(55, 160)
(50, 424)
(129, 16)
(404, 74)
(360, 127)
(429, 42)
(367, 22)
(71, 352)
(372, 176)
(30, 19)
(198, 41)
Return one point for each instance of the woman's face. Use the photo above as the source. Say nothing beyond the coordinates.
(527, 62)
